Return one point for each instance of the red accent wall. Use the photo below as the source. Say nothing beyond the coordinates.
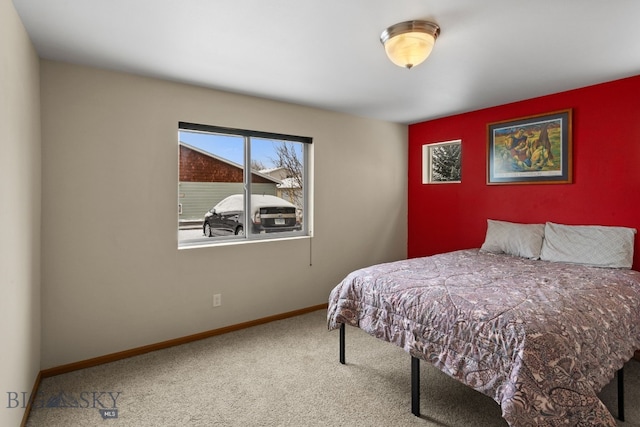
(606, 171)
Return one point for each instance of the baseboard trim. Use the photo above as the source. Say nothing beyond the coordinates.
(34, 390)
(63, 369)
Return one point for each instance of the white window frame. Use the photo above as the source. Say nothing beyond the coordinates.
(248, 236)
(427, 161)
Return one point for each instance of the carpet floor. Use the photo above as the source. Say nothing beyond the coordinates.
(284, 373)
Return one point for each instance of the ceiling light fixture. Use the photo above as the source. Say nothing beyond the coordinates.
(409, 43)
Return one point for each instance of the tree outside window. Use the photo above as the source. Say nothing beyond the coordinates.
(441, 162)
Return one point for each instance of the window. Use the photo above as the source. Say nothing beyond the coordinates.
(441, 162)
(238, 185)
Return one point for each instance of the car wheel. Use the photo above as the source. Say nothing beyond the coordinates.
(207, 231)
(240, 231)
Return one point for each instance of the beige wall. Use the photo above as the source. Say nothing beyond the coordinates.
(19, 215)
(113, 278)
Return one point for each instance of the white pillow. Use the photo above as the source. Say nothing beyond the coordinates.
(594, 245)
(523, 240)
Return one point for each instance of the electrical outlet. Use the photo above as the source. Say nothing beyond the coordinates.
(217, 300)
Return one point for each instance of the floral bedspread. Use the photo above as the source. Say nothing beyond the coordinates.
(540, 338)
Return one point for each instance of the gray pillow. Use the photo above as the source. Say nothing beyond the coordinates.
(523, 240)
(594, 245)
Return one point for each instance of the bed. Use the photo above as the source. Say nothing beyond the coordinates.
(532, 325)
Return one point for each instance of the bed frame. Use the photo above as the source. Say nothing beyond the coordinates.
(415, 380)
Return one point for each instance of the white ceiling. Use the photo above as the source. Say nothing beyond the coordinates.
(327, 53)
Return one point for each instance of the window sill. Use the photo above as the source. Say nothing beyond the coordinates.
(205, 244)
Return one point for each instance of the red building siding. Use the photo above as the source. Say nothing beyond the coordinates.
(606, 175)
(198, 167)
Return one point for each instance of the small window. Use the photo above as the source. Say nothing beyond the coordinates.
(239, 185)
(441, 162)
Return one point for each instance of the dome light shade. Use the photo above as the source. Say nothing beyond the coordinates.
(409, 43)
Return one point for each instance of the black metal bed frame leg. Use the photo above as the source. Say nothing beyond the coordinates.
(415, 374)
(415, 386)
(621, 394)
(342, 333)
(415, 380)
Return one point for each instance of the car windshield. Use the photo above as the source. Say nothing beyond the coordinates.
(236, 202)
(231, 203)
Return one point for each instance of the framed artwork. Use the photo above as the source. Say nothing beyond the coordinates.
(530, 150)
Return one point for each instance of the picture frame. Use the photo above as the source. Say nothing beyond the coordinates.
(530, 150)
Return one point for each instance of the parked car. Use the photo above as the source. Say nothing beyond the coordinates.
(269, 214)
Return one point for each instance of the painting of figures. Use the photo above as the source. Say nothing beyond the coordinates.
(529, 150)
